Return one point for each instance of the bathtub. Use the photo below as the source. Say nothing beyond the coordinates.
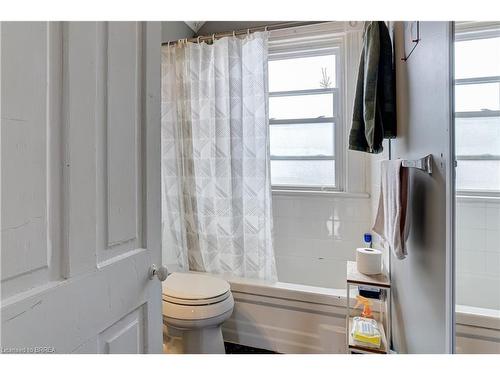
(477, 330)
(286, 317)
(294, 318)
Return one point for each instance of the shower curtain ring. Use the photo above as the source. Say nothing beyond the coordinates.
(198, 39)
(265, 29)
(213, 38)
(234, 34)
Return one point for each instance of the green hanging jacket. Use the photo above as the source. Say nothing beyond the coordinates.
(374, 111)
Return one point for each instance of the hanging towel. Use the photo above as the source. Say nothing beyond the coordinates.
(374, 112)
(391, 222)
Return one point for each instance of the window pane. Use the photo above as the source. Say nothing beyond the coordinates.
(303, 106)
(477, 97)
(477, 136)
(303, 172)
(478, 175)
(303, 73)
(477, 58)
(302, 139)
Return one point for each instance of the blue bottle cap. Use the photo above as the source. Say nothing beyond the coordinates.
(368, 237)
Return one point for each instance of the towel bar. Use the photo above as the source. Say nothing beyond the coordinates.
(424, 164)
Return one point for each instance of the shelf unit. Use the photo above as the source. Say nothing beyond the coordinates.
(381, 309)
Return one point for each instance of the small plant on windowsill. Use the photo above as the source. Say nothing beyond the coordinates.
(325, 82)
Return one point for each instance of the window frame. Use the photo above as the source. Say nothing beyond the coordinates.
(469, 32)
(333, 46)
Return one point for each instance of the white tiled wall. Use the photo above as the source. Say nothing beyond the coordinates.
(478, 252)
(315, 235)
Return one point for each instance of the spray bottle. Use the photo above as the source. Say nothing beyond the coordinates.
(366, 303)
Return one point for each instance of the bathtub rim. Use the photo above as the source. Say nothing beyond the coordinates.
(465, 315)
(284, 290)
(477, 317)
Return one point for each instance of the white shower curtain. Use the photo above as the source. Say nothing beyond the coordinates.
(216, 202)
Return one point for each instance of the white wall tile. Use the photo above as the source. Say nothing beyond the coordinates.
(492, 241)
(471, 239)
(493, 265)
(478, 254)
(493, 217)
(284, 206)
(314, 236)
(283, 226)
(479, 291)
(312, 271)
(338, 250)
(471, 216)
(472, 262)
(352, 210)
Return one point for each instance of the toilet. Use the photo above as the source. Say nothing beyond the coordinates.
(194, 308)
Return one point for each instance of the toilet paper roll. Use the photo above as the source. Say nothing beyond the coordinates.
(369, 261)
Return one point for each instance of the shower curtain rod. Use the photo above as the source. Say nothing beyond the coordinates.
(275, 26)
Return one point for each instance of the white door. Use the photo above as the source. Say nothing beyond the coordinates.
(422, 283)
(80, 187)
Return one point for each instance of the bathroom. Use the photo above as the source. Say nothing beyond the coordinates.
(318, 228)
(317, 186)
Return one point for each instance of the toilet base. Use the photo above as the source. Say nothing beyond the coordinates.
(194, 337)
(204, 341)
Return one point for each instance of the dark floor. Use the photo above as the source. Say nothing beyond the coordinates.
(242, 349)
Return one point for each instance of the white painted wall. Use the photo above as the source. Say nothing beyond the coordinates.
(174, 30)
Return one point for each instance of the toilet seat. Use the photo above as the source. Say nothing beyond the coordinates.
(193, 286)
(191, 296)
(196, 302)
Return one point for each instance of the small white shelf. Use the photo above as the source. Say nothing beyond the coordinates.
(382, 313)
(380, 280)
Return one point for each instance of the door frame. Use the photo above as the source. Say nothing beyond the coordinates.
(450, 204)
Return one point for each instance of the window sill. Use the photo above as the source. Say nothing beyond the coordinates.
(478, 198)
(325, 193)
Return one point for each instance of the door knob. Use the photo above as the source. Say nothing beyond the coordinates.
(160, 272)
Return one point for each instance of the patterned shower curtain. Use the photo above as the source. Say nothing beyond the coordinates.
(216, 204)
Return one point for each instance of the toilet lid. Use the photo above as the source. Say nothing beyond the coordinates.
(192, 286)
(196, 302)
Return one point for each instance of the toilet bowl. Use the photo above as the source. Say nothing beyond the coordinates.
(194, 308)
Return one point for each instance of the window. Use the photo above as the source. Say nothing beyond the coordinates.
(477, 111)
(304, 116)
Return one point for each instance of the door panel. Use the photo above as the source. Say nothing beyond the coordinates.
(80, 186)
(80, 105)
(123, 135)
(422, 307)
(30, 107)
(125, 336)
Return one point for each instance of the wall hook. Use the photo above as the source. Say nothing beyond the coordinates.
(415, 40)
